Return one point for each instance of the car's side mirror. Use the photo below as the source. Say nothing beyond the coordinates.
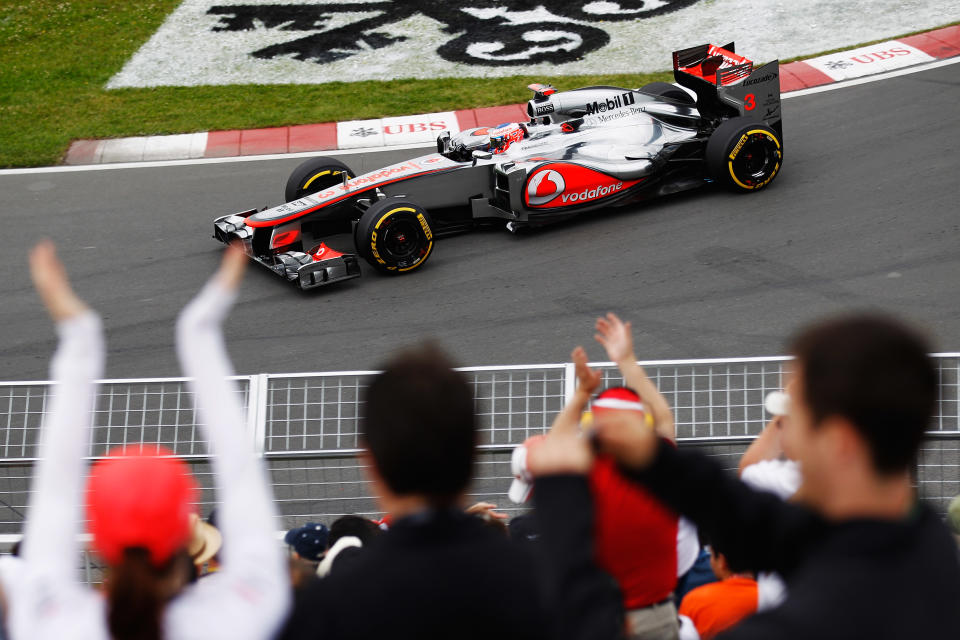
(481, 155)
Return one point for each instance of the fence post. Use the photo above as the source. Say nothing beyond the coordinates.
(569, 381)
(257, 411)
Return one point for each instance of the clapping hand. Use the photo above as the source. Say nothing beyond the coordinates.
(587, 379)
(616, 337)
(51, 282)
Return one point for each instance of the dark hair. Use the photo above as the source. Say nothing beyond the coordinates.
(363, 528)
(419, 426)
(137, 593)
(876, 373)
(720, 550)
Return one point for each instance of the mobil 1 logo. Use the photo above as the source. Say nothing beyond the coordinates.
(609, 104)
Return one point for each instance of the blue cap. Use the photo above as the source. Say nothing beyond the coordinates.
(309, 541)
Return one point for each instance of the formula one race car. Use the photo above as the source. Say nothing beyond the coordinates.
(582, 150)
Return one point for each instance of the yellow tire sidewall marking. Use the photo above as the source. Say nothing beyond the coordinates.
(322, 173)
(736, 151)
(426, 230)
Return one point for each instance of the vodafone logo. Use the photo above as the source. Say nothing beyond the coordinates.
(592, 194)
(544, 187)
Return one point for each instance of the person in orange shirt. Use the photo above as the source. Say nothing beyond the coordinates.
(715, 607)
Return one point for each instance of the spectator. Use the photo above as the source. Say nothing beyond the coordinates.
(204, 545)
(139, 503)
(691, 575)
(348, 537)
(307, 545)
(862, 557)
(718, 606)
(764, 465)
(636, 536)
(363, 529)
(437, 571)
(308, 542)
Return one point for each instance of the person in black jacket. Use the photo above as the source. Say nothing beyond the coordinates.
(438, 572)
(860, 555)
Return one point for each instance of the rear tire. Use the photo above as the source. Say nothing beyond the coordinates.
(667, 90)
(395, 236)
(744, 155)
(313, 175)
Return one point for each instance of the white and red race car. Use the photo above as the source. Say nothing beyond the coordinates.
(582, 150)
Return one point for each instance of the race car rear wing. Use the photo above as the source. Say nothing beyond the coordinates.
(728, 85)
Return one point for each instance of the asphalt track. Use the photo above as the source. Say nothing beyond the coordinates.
(864, 215)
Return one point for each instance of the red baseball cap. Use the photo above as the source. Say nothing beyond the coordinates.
(620, 399)
(140, 498)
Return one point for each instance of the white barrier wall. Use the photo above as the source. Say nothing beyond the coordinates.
(305, 425)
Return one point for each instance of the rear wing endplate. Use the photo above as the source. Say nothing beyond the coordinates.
(728, 85)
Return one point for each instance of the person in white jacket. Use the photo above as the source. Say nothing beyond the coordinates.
(247, 598)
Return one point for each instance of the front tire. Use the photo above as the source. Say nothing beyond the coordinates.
(313, 175)
(395, 236)
(744, 155)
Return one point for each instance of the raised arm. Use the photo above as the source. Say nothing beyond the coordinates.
(50, 546)
(568, 420)
(766, 446)
(250, 593)
(616, 338)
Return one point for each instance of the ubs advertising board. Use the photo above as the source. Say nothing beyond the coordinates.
(216, 42)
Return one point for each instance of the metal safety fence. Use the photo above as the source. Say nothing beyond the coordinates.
(305, 427)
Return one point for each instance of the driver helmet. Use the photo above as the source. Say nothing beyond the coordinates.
(503, 135)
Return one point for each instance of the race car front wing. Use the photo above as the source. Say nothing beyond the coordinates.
(309, 270)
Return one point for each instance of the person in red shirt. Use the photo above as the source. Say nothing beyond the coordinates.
(635, 537)
(718, 606)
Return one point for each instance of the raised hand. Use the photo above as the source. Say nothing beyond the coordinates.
(232, 267)
(616, 338)
(587, 379)
(486, 510)
(51, 282)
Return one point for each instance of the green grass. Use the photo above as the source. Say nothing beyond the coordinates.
(56, 58)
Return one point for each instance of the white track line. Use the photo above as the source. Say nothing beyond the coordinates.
(874, 78)
(307, 154)
(177, 163)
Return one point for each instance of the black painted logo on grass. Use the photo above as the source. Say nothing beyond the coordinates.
(483, 32)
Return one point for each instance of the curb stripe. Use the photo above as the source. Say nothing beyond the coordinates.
(807, 75)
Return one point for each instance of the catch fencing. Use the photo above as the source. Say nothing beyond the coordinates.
(305, 427)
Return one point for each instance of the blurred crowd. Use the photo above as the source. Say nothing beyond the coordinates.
(819, 533)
